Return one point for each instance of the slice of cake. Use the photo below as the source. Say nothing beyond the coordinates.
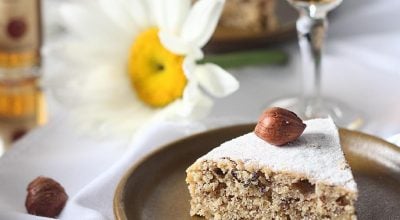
(248, 178)
(256, 15)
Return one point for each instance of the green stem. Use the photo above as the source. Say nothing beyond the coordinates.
(247, 58)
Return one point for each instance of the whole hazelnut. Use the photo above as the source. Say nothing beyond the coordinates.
(46, 197)
(279, 126)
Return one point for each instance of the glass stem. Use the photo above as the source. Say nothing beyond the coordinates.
(311, 33)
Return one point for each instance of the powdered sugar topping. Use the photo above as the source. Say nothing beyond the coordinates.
(316, 154)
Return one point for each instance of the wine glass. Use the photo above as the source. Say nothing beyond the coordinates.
(311, 28)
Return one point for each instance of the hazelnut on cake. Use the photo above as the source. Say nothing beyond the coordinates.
(249, 178)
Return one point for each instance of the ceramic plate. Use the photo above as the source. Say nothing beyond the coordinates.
(226, 39)
(155, 187)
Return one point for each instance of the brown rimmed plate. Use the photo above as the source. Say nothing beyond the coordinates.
(155, 187)
(228, 39)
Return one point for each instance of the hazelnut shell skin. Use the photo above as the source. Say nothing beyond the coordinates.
(279, 126)
(46, 197)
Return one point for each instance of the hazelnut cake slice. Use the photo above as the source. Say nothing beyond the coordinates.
(248, 178)
(254, 15)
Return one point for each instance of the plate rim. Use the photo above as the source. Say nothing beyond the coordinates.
(119, 214)
(117, 208)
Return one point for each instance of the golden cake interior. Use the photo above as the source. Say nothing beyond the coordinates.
(233, 189)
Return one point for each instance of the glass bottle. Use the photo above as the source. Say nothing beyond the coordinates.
(20, 60)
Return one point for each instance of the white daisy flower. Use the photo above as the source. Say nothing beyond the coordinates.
(135, 61)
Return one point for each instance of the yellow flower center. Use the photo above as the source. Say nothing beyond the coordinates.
(155, 73)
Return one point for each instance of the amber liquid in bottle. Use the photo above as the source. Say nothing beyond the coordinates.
(20, 61)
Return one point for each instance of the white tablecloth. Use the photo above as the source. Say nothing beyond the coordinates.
(361, 69)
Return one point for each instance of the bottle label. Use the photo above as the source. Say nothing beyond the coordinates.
(19, 33)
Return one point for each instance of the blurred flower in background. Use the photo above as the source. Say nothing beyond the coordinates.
(135, 61)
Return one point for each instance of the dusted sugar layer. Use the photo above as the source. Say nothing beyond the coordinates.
(247, 178)
(317, 154)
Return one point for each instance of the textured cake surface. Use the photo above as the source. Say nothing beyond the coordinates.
(247, 178)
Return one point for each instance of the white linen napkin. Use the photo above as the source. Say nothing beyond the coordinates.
(88, 206)
(88, 168)
(56, 151)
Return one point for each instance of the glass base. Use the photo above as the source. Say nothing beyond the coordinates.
(309, 108)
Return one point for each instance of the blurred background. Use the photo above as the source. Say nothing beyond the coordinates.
(360, 66)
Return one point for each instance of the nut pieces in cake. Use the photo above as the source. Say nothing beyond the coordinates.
(46, 197)
(279, 126)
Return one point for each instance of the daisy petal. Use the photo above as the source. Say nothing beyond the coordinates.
(195, 104)
(216, 80)
(87, 21)
(179, 47)
(118, 13)
(157, 12)
(173, 43)
(198, 109)
(85, 56)
(197, 53)
(177, 11)
(84, 20)
(140, 13)
(202, 21)
(189, 65)
(169, 14)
